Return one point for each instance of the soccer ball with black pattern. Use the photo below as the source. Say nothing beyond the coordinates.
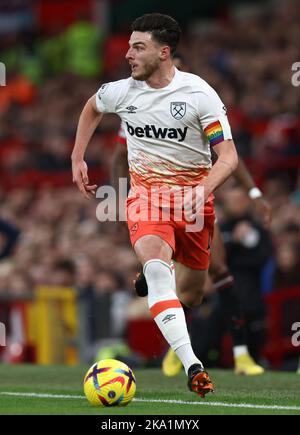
(109, 382)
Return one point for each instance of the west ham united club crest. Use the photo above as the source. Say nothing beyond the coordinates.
(178, 109)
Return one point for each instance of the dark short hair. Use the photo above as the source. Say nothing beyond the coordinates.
(164, 29)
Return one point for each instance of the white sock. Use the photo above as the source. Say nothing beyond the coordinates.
(167, 310)
(239, 350)
(172, 266)
(186, 357)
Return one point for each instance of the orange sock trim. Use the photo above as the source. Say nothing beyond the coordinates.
(159, 307)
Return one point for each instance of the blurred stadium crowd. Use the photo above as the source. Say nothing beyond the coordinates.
(49, 234)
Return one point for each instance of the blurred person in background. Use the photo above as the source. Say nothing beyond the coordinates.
(103, 305)
(84, 279)
(110, 304)
(287, 266)
(283, 269)
(63, 274)
(248, 248)
(9, 234)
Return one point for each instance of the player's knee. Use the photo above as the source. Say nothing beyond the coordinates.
(150, 247)
(196, 300)
(192, 299)
(218, 268)
(157, 271)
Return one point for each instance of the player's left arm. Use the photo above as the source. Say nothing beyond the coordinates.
(214, 122)
(225, 165)
(221, 170)
(262, 207)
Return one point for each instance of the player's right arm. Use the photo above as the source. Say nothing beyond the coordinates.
(104, 101)
(88, 122)
(119, 168)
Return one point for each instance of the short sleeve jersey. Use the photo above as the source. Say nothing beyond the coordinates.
(169, 131)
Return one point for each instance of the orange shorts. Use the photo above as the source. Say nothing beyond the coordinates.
(190, 248)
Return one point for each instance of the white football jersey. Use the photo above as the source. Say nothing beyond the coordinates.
(168, 130)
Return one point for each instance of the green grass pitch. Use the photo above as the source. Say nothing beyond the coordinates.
(271, 393)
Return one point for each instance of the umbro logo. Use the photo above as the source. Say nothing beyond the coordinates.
(131, 109)
(134, 228)
(168, 317)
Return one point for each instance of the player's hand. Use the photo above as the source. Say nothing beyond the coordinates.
(80, 177)
(263, 210)
(194, 200)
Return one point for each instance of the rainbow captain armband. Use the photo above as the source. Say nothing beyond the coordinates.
(214, 133)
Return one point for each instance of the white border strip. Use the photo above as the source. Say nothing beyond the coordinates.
(179, 402)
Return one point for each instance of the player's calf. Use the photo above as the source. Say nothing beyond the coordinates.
(190, 285)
